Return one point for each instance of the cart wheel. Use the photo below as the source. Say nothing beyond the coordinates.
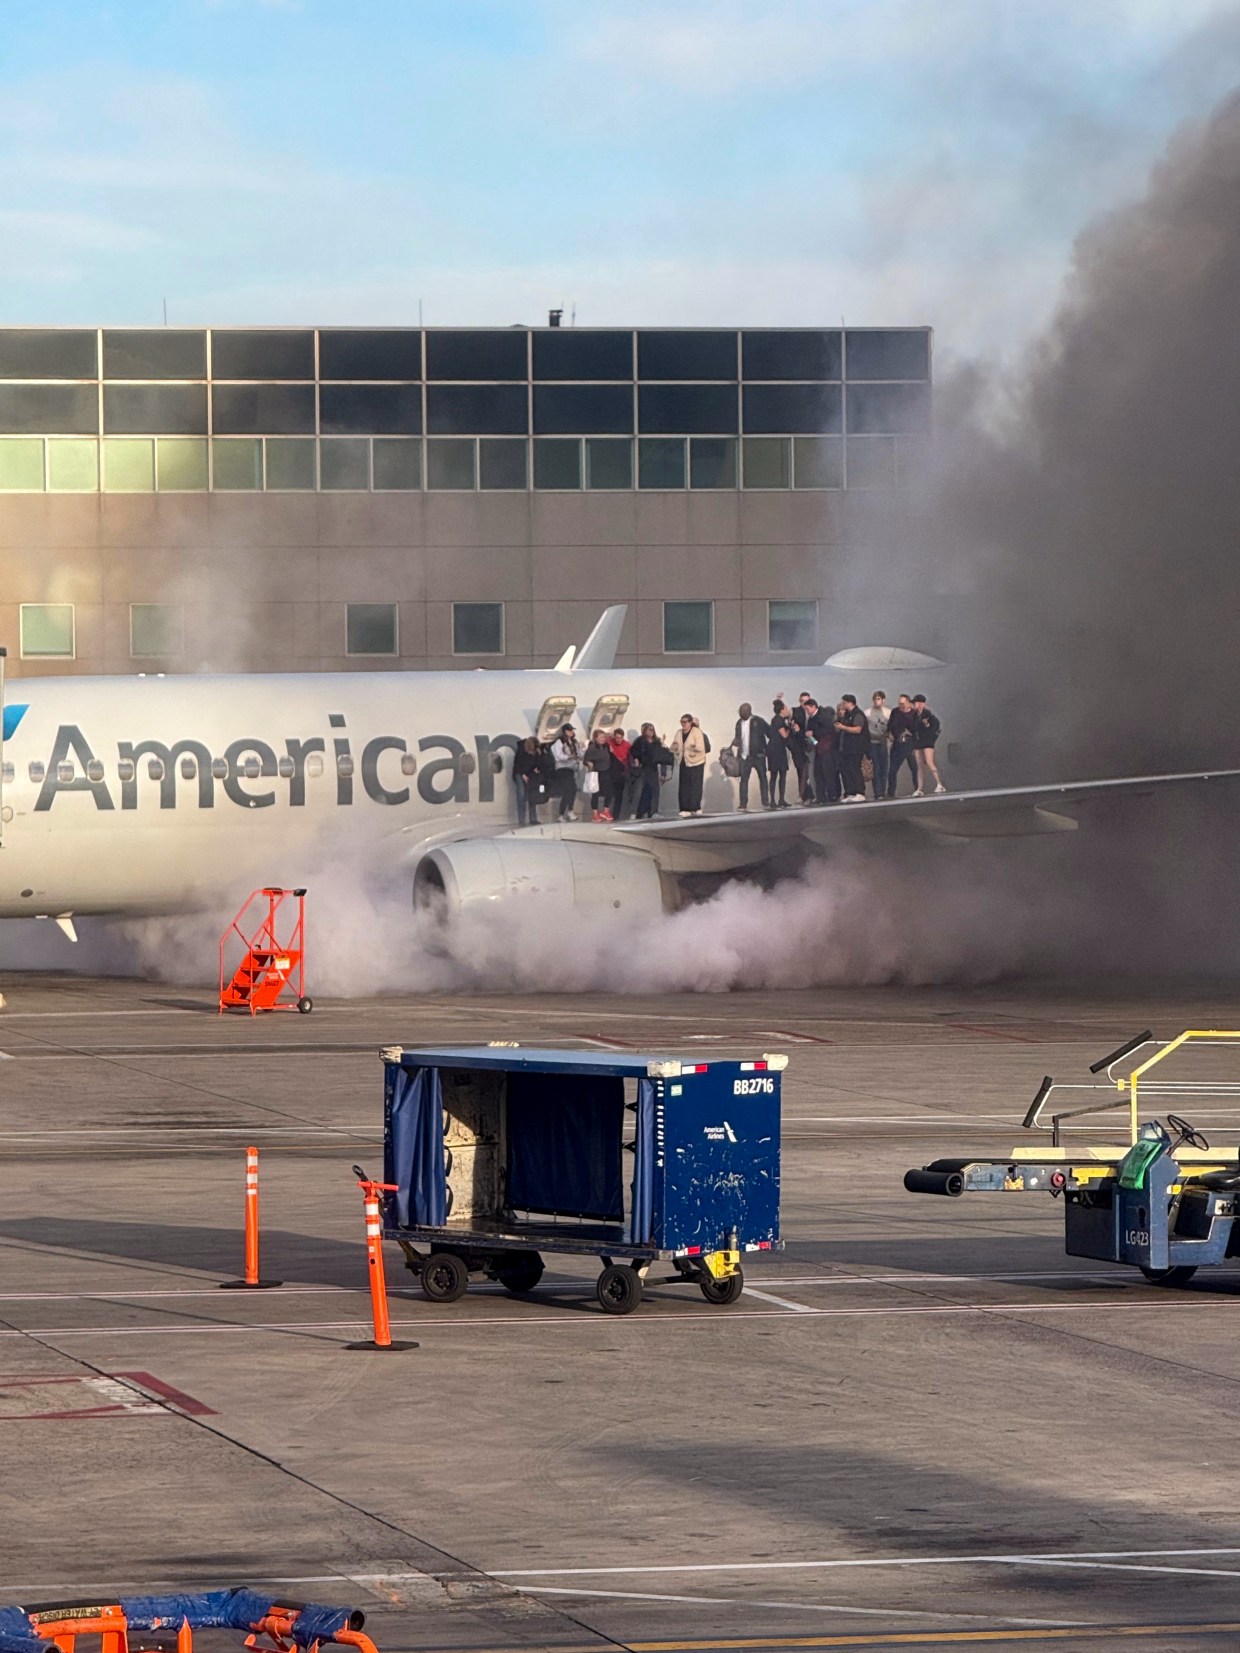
(619, 1289)
(1170, 1276)
(305, 1005)
(444, 1277)
(519, 1271)
(722, 1291)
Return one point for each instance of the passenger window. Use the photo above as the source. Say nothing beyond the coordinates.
(251, 768)
(37, 772)
(189, 768)
(344, 765)
(314, 765)
(285, 768)
(125, 769)
(155, 769)
(219, 768)
(6, 773)
(64, 773)
(408, 764)
(94, 770)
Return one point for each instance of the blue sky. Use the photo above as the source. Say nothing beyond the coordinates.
(690, 161)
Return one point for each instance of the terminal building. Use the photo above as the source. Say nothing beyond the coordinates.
(359, 498)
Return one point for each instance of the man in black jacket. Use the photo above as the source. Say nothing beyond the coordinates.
(749, 741)
(799, 747)
(900, 729)
(854, 736)
(820, 728)
(647, 756)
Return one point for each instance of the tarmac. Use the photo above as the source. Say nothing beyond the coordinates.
(922, 1424)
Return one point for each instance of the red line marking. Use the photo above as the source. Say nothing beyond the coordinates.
(175, 1397)
(994, 1033)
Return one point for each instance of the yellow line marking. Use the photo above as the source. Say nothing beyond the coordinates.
(941, 1638)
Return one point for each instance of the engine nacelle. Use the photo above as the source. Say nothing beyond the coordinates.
(582, 877)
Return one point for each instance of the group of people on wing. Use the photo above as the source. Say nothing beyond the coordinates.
(834, 753)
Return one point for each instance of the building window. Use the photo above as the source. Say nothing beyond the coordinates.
(712, 462)
(156, 630)
(345, 465)
(73, 466)
(477, 628)
(290, 465)
(180, 465)
(162, 410)
(608, 464)
(153, 353)
(661, 462)
(370, 410)
(888, 353)
(47, 631)
(129, 465)
(503, 464)
(21, 465)
(791, 625)
(256, 353)
(397, 464)
(767, 461)
(669, 410)
(688, 628)
(818, 462)
(557, 462)
(451, 464)
(370, 628)
(871, 461)
(238, 463)
(46, 353)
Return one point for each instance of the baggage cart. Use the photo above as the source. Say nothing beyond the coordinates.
(500, 1155)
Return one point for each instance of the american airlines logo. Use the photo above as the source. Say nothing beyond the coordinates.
(386, 767)
(12, 717)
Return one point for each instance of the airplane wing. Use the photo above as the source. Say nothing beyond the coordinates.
(717, 842)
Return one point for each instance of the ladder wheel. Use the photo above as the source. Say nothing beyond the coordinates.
(305, 1006)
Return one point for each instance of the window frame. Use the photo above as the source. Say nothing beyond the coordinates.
(795, 648)
(26, 654)
(481, 654)
(162, 654)
(373, 654)
(689, 602)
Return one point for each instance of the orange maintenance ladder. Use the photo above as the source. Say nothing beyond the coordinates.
(272, 972)
(131, 1624)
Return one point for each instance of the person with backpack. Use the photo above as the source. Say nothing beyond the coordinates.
(926, 731)
(692, 747)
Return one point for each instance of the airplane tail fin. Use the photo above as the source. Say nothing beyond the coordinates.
(598, 652)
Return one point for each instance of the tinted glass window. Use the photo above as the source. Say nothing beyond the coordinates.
(155, 629)
(180, 465)
(73, 467)
(129, 465)
(31, 409)
(557, 463)
(609, 464)
(818, 462)
(384, 410)
(262, 355)
(792, 408)
(21, 465)
(159, 353)
(476, 410)
(290, 465)
(370, 628)
(582, 409)
(792, 625)
(178, 409)
(450, 464)
(491, 355)
(661, 462)
(362, 354)
(502, 464)
(345, 464)
(712, 462)
(686, 355)
(688, 628)
(893, 409)
(239, 464)
(253, 410)
(767, 462)
(689, 408)
(31, 353)
(397, 464)
(567, 353)
(888, 355)
(477, 628)
(47, 630)
(786, 355)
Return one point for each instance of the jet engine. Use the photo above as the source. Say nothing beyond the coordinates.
(476, 873)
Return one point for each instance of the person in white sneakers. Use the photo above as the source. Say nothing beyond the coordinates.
(926, 731)
(566, 755)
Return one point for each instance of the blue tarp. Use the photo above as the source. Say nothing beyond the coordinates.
(641, 1216)
(238, 1609)
(564, 1144)
(413, 1151)
(17, 1633)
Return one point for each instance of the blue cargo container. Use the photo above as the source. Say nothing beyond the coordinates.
(499, 1154)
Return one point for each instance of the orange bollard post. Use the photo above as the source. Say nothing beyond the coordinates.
(374, 1260)
(251, 1282)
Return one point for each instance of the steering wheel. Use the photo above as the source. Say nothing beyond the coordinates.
(1187, 1134)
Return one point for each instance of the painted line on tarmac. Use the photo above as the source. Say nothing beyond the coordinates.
(799, 1606)
(171, 1133)
(533, 1322)
(1019, 1558)
(782, 1302)
(940, 1638)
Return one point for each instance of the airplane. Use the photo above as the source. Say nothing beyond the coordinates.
(163, 794)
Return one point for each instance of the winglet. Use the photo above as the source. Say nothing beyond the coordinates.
(565, 662)
(598, 652)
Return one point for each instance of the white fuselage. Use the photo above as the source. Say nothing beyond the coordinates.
(153, 795)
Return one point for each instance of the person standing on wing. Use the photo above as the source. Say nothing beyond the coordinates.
(777, 754)
(749, 741)
(691, 747)
(566, 755)
(854, 742)
(900, 729)
(926, 731)
(878, 717)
